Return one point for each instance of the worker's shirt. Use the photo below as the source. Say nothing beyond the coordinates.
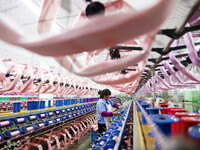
(101, 107)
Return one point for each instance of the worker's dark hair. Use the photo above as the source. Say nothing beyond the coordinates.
(100, 93)
(105, 92)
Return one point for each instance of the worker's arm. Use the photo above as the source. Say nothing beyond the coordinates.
(106, 114)
(115, 105)
(101, 107)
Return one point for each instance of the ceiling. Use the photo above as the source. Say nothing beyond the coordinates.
(25, 13)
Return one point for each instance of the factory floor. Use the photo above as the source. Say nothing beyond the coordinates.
(84, 143)
(149, 142)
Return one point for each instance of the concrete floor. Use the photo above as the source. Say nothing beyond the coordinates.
(84, 143)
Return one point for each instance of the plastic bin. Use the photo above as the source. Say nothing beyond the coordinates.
(93, 136)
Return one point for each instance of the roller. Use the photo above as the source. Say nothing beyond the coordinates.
(79, 107)
(106, 134)
(28, 129)
(42, 115)
(58, 119)
(163, 105)
(31, 118)
(74, 114)
(180, 115)
(1, 138)
(57, 112)
(49, 122)
(19, 120)
(172, 108)
(76, 108)
(40, 125)
(50, 113)
(101, 142)
(109, 146)
(63, 111)
(5, 123)
(69, 116)
(164, 122)
(187, 122)
(173, 126)
(165, 110)
(68, 109)
(14, 133)
(55, 120)
(72, 108)
(64, 117)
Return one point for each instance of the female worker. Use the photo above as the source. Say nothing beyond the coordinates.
(104, 111)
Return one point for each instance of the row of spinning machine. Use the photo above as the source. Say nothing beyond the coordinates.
(113, 138)
(18, 126)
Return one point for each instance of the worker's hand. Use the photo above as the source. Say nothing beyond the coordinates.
(119, 107)
(115, 113)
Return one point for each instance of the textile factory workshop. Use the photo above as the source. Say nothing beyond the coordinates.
(99, 74)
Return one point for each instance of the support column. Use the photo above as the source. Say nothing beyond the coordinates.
(154, 91)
